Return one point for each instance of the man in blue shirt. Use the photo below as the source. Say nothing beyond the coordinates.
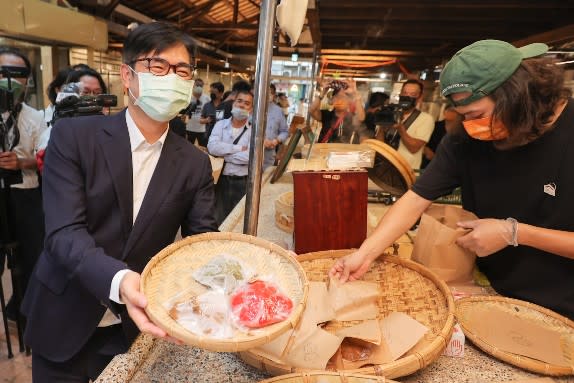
(230, 139)
(276, 130)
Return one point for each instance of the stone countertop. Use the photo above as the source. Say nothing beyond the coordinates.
(152, 360)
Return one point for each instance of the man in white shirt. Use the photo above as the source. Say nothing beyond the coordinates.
(116, 191)
(195, 130)
(415, 136)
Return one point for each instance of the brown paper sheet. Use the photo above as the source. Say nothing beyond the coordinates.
(355, 300)
(512, 334)
(314, 350)
(534, 380)
(369, 331)
(318, 308)
(435, 245)
(401, 333)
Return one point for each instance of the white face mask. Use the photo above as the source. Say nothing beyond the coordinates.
(162, 97)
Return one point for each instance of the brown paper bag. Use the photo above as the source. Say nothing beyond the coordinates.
(435, 245)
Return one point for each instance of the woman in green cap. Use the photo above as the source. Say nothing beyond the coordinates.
(513, 164)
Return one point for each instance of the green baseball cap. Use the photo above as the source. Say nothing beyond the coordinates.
(482, 67)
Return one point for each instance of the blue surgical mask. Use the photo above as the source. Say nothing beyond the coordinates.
(162, 97)
(239, 114)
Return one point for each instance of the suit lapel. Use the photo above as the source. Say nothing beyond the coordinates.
(159, 187)
(114, 140)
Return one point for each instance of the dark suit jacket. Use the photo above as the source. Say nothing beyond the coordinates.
(88, 202)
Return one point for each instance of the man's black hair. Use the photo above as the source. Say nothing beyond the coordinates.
(200, 80)
(16, 52)
(241, 86)
(219, 86)
(57, 82)
(272, 86)
(81, 66)
(154, 38)
(243, 91)
(417, 82)
(75, 76)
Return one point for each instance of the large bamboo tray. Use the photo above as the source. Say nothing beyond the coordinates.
(327, 377)
(528, 312)
(406, 287)
(169, 272)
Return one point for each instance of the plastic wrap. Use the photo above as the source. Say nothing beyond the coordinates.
(259, 304)
(205, 315)
(223, 272)
(351, 159)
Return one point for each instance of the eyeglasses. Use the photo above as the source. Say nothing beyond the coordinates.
(160, 67)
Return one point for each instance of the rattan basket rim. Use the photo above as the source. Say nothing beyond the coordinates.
(303, 377)
(406, 365)
(527, 363)
(394, 157)
(265, 334)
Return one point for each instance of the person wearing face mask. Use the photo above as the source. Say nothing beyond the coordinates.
(230, 139)
(214, 110)
(346, 117)
(194, 127)
(116, 191)
(513, 167)
(21, 193)
(414, 129)
(276, 130)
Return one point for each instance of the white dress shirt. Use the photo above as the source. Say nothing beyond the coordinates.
(144, 160)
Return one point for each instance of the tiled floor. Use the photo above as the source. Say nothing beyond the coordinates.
(19, 368)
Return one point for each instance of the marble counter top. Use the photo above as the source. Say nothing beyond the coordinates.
(151, 360)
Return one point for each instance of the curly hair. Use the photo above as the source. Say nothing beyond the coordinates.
(527, 101)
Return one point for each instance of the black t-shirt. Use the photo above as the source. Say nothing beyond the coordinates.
(534, 184)
(215, 112)
(438, 133)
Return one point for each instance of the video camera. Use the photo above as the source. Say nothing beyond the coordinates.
(393, 113)
(7, 95)
(70, 104)
(9, 133)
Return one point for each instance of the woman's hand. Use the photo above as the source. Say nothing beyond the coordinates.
(350, 267)
(487, 236)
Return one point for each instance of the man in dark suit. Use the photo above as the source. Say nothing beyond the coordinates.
(116, 191)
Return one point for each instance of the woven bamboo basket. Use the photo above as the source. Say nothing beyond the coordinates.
(525, 311)
(327, 377)
(169, 273)
(284, 214)
(406, 287)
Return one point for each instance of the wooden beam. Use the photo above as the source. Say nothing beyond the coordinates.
(110, 8)
(367, 52)
(359, 58)
(221, 27)
(445, 5)
(235, 11)
(314, 26)
(198, 12)
(553, 36)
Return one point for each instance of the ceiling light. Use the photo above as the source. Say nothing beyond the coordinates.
(383, 75)
(295, 56)
(226, 63)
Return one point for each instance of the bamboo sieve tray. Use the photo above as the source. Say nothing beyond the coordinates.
(169, 273)
(406, 287)
(528, 312)
(327, 377)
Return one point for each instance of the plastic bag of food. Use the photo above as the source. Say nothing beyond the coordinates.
(223, 272)
(205, 315)
(258, 304)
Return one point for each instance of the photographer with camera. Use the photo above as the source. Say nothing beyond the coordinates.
(412, 128)
(21, 126)
(344, 122)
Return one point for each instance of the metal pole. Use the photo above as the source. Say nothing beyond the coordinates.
(311, 88)
(256, 151)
